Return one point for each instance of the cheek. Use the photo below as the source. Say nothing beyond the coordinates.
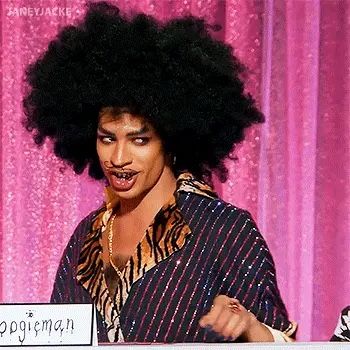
(158, 159)
(153, 161)
(151, 155)
(102, 157)
(102, 152)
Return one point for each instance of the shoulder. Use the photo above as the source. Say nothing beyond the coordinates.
(232, 229)
(188, 200)
(215, 211)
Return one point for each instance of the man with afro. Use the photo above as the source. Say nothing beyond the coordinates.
(154, 109)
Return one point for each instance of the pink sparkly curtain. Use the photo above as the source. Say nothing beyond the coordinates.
(292, 173)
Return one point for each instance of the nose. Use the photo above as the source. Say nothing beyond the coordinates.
(121, 156)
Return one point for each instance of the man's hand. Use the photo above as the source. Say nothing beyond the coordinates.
(231, 320)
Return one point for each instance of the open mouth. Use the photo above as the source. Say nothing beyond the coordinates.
(123, 180)
(125, 175)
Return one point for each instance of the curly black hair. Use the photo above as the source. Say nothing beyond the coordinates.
(185, 83)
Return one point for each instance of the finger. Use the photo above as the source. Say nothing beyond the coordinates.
(234, 300)
(220, 303)
(226, 317)
(224, 300)
(234, 328)
(235, 306)
(210, 318)
(221, 299)
(222, 320)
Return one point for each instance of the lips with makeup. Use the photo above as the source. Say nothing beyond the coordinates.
(123, 180)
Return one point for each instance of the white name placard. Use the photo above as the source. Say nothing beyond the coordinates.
(47, 324)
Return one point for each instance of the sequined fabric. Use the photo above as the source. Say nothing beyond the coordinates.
(223, 253)
(165, 235)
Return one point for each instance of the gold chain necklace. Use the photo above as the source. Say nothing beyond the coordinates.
(110, 245)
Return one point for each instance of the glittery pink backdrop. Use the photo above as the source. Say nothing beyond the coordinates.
(292, 173)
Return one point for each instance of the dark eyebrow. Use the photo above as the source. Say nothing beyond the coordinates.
(143, 130)
(101, 129)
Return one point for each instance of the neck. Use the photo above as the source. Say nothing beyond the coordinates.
(152, 201)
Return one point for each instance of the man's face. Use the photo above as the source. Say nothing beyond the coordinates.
(131, 154)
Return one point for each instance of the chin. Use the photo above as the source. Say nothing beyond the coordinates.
(132, 194)
(125, 194)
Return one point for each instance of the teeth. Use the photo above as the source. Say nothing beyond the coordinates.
(123, 175)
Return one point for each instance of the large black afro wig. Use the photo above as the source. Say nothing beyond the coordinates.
(185, 83)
